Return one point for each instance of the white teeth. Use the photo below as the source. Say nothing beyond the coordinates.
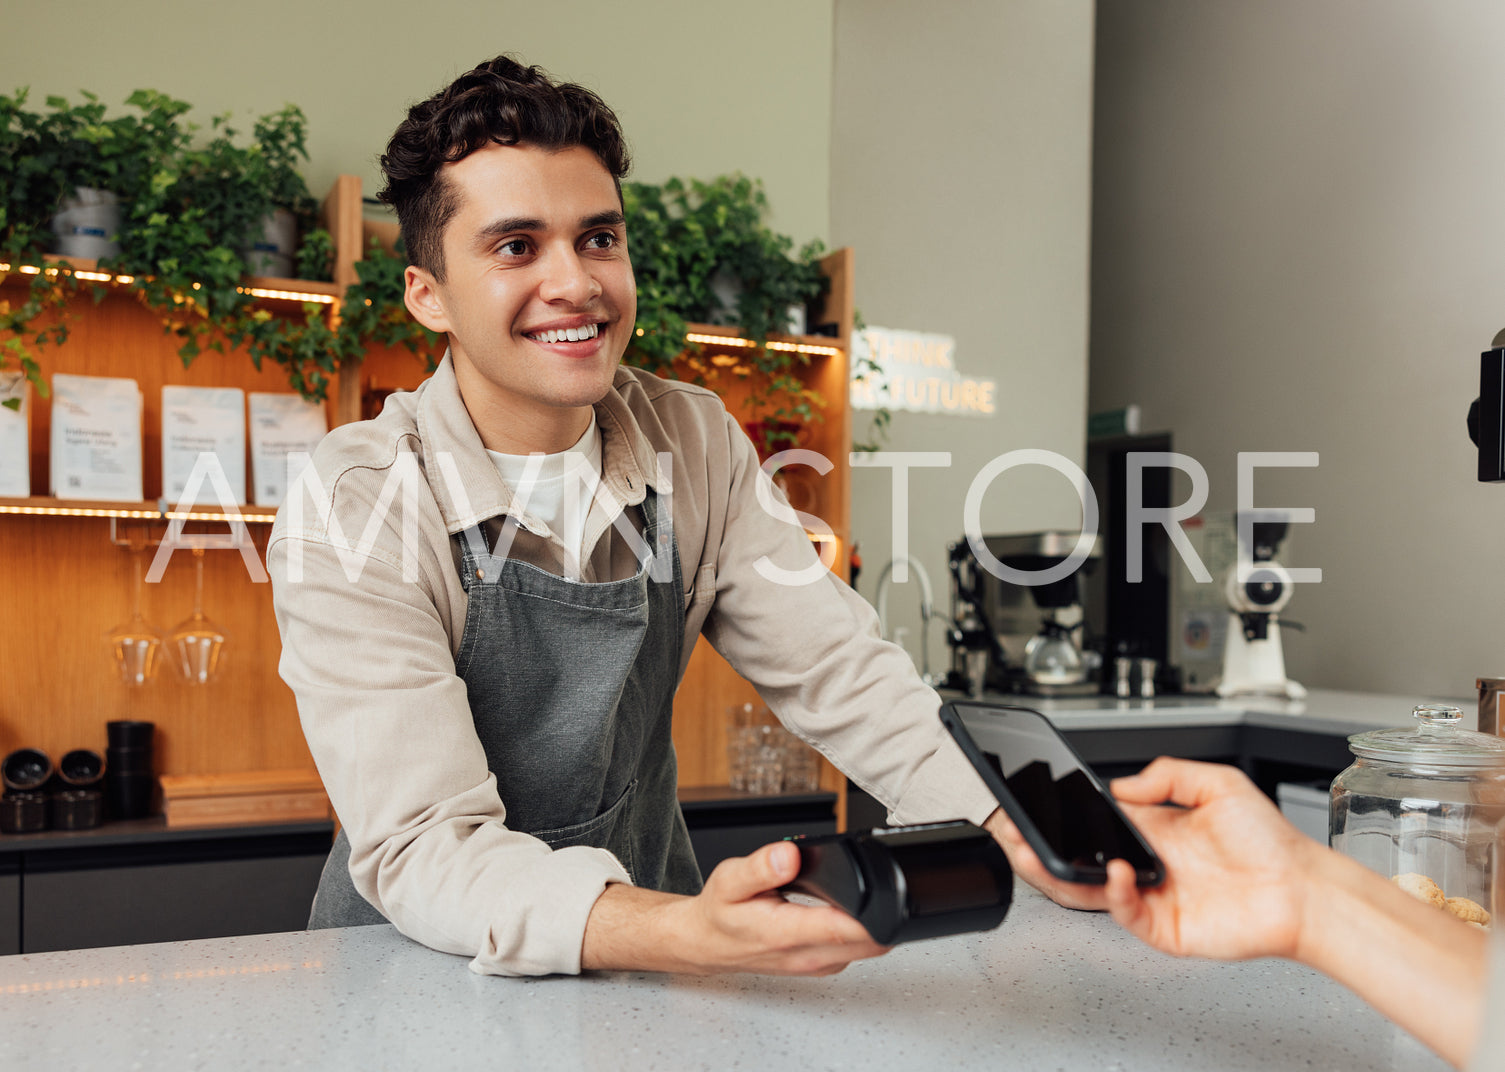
(589, 331)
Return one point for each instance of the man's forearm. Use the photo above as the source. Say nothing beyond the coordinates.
(1417, 965)
(627, 931)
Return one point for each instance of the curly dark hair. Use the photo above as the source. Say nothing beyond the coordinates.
(500, 101)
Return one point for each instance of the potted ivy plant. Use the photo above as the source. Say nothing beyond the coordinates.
(28, 194)
(187, 213)
(102, 162)
(184, 242)
(71, 170)
(278, 143)
(702, 252)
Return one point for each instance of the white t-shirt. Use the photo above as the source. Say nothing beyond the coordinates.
(558, 489)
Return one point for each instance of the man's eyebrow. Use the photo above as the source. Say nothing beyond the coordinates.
(527, 224)
(603, 219)
(496, 228)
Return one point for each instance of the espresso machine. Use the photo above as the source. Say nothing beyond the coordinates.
(1020, 638)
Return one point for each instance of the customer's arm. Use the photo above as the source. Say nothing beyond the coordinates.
(1242, 883)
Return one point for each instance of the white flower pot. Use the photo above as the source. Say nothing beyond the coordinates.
(728, 289)
(272, 251)
(88, 224)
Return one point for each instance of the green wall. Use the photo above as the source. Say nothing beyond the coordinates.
(702, 87)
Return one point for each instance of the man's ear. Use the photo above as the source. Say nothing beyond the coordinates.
(421, 295)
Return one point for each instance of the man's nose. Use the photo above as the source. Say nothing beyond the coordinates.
(567, 278)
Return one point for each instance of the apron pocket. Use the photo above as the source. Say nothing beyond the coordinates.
(602, 832)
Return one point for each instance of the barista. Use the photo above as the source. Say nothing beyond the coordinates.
(486, 682)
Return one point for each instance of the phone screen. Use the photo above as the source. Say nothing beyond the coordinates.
(1069, 810)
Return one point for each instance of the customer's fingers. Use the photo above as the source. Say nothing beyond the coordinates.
(1180, 781)
(1124, 901)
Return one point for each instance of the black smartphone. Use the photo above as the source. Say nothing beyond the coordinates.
(1060, 807)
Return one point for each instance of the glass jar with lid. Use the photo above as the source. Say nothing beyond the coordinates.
(1424, 803)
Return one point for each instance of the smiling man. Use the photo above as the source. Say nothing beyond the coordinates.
(487, 688)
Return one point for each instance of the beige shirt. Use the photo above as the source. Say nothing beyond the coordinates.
(371, 610)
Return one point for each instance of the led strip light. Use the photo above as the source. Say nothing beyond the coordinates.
(126, 280)
(748, 344)
(132, 513)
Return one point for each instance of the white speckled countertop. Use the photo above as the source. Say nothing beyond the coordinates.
(1050, 989)
(1325, 711)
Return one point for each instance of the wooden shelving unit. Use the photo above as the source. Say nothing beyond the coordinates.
(68, 585)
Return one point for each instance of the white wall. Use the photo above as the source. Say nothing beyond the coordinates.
(702, 87)
(1298, 218)
(960, 169)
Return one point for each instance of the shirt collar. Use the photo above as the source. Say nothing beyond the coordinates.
(466, 484)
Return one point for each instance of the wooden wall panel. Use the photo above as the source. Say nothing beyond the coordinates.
(66, 585)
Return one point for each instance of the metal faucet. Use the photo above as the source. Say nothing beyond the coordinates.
(927, 609)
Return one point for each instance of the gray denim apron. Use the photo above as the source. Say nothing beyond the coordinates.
(571, 686)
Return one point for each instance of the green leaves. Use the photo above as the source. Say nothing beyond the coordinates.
(691, 239)
(189, 209)
(316, 255)
(372, 313)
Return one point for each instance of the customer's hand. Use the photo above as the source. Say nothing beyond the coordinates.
(738, 923)
(1242, 882)
(1026, 864)
(1237, 872)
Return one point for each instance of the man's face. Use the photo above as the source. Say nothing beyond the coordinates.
(538, 300)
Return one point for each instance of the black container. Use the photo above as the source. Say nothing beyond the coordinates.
(25, 769)
(81, 768)
(129, 760)
(77, 809)
(129, 796)
(126, 733)
(23, 813)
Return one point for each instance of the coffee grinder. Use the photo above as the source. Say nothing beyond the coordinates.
(1253, 659)
(1019, 638)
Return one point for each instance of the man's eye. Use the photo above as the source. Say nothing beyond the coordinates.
(602, 240)
(516, 248)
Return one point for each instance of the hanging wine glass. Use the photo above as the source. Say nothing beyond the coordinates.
(196, 642)
(135, 644)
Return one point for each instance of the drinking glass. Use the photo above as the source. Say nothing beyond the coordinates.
(801, 767)
(136, 644)
(196, 642)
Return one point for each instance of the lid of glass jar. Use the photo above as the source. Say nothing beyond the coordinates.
(1437, 739)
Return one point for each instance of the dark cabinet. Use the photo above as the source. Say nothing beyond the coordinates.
(135, 883)
(724, 822)
(10, 907)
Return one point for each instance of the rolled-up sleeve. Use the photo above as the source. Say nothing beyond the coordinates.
(389, 726)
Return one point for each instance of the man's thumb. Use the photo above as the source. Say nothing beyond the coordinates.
(743, 878)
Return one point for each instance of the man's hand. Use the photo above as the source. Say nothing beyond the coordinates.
(1238, 875)
(1027, 865)
(738, 923)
